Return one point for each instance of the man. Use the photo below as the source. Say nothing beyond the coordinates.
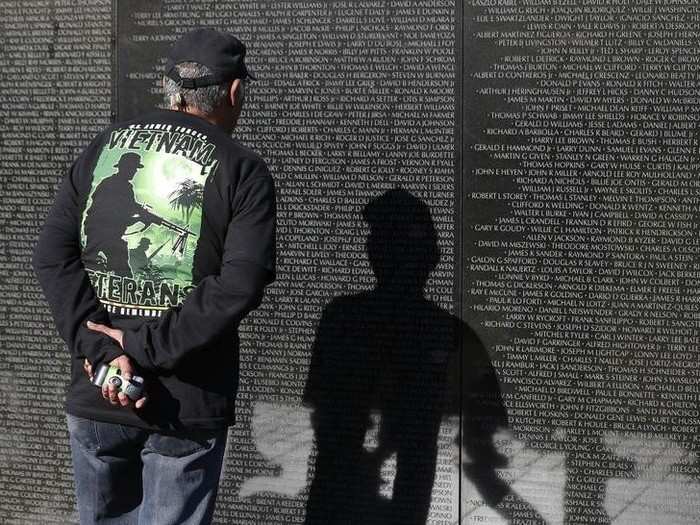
(158, 461)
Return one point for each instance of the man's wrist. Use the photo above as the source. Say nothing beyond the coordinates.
(130, 342)
(110, 351)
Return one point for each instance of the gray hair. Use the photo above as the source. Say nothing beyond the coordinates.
(205, 99)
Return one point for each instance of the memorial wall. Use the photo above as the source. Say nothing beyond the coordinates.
(487, 263)
(581, 246)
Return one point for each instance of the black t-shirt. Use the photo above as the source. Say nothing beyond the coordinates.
(165, 228)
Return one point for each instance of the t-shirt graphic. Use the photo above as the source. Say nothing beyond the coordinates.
(143, 216)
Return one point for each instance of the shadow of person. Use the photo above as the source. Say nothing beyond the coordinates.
(483, 415)
(387, 355)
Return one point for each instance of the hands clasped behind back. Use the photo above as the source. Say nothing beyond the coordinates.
(110, 391)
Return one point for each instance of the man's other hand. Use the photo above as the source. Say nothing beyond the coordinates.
(114, 333)
(87, 366)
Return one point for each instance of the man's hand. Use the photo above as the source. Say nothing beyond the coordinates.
(87, 366)
(110, 392)
(114, 333)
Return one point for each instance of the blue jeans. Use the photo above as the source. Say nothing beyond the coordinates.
(131, 476)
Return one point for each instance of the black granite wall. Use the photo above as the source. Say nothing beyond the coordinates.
(487, 255)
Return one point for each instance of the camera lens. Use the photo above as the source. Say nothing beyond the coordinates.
(115, 380)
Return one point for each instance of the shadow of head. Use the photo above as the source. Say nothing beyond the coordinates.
(402, 243)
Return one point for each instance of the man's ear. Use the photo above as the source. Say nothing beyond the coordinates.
(235, 91)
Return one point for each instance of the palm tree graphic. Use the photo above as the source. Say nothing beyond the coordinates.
(188, 196)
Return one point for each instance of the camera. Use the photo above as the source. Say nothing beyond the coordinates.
(106, 374)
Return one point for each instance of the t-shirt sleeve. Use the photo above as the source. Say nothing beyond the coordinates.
(62, 276)
(218, 303)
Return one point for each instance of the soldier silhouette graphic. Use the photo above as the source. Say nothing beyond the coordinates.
(113, 210)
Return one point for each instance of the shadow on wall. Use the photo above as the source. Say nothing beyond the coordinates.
(391, 351)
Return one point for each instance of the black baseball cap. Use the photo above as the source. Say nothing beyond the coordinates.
(221, 52)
